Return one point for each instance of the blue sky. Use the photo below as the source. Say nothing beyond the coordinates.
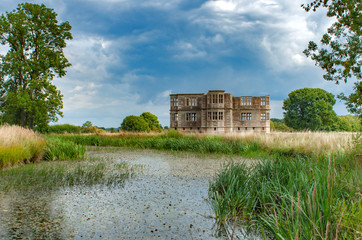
(128, 55)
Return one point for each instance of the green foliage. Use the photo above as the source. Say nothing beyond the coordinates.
(278, 125)
(354, 100)
(134, 123)
(152, 121)
(35, 40)
(63, 128)
(309, 108)
(87, 124)
(50, 175)
(56, 149)
(291, 199)
(341, 55)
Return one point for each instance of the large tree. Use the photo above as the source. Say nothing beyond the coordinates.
(152, 121)
(309, 109)
(35, 41)
(135, 123)
(341, 52)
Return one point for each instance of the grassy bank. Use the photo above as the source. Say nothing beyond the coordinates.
(19, 145)
(300, 198)
(248, 144)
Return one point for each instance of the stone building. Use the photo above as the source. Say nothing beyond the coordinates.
(219, 112)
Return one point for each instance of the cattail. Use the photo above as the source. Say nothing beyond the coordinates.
(297, 235)
(276, 219)
(327, 230)
(313, 195)
(339, 223)
(298, 207)
(310, 205)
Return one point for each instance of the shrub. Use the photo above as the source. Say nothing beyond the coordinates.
(152, 121)
(134, 123)
(63, 128)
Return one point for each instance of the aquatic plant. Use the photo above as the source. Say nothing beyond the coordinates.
(302, 198)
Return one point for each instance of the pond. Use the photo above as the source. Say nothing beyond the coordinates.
(165, 199)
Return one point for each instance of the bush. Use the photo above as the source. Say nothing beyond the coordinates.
(152, 121)
(134, 123)
(63, 128)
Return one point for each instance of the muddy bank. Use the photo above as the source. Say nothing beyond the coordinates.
(167, 199)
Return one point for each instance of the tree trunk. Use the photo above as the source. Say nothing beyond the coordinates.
(23, 117)
(31, 122)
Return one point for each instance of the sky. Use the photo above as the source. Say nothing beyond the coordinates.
(128, 56)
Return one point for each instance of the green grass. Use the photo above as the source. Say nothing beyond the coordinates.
(57, 149)
(207, 145)
(302, 198)
(19, 145)
(49, 175)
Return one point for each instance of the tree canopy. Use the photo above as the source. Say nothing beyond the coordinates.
(135, 123)
(152, 121)
(36, 41)
(309, 108)
(341, 54)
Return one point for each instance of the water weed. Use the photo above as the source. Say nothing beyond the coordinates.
(301, 198)
(50, 175)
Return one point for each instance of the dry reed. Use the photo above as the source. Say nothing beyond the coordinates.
(19, 145)
(304, 142)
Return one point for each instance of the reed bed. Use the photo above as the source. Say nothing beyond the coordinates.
(50, 175)
(299, 142)
(246, 144)
(283, 199)
(19, 145)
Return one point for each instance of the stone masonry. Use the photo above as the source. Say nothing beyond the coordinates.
(219, 112)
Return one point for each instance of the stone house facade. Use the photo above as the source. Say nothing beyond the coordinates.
(219, 112)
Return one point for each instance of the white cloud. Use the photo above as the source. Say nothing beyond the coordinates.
(186, 51)
(280, 29)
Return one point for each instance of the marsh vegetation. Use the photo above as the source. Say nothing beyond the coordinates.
(304, 185)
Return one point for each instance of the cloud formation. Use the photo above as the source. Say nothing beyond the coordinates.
(128, 55)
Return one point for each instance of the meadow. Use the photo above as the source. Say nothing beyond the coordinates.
(306, 186)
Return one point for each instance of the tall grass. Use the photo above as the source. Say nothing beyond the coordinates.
(19, 145)
(56, 149)
(246, 144)
(300, 198)
(50, 175)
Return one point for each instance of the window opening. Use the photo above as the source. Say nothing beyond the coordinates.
(193, 102)
(193, 116)
(214, 116)
(262, 116)
(248, 116)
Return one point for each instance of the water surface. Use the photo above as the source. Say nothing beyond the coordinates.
(166, 199)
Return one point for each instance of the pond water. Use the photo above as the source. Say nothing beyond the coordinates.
(166, 199)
